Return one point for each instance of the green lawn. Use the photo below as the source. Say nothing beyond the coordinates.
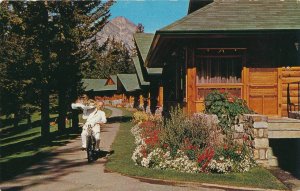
(23, 146)
(121, 162)
(108, 112)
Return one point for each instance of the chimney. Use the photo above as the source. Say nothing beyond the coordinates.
(194, 5)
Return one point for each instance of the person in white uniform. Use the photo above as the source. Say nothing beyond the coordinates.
(85, 104)
(96, 118)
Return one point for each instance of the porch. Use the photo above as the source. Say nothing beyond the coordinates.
(282, 128)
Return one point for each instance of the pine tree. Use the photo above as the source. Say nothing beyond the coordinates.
(17, 90)
(77, 24)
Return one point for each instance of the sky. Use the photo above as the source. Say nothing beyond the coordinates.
(153, 14)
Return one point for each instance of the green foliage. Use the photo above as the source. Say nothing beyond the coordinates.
(18, 92)
(113, 58)
(226, 107)
(140, 116)
(181, 131)
(42, 49)
(121, 162)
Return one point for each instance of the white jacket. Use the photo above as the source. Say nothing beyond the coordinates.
(97, 116)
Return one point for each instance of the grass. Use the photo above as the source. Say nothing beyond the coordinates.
(108, 112)
(121, 162)
(23, 146)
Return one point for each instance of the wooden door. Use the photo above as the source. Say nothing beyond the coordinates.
(263, 90)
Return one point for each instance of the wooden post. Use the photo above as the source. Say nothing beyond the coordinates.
(245, 84)
(279, 88)
(191, 81)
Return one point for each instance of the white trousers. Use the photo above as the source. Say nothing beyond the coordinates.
(95, 132)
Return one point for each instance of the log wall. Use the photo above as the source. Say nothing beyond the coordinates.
(289, 74)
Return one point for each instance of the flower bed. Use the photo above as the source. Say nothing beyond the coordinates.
(190, 144)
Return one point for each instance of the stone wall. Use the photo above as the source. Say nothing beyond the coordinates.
(252, 129)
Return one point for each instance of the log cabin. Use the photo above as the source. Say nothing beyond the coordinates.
(247, 48)
(149, 78)
(128, 86)
(102, 89)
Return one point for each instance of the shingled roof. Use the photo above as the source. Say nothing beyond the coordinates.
(129, 82)
(138, 69)
(143, 42)
(97, 85)
(241, 15)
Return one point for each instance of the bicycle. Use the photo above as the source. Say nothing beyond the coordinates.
(90, 144)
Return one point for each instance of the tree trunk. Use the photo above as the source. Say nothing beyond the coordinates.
(45, 111)
(75, 120)
(45, 105)
(29, 121)
(62, 110)
(16, 119)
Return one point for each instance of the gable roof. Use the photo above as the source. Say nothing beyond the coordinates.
(138, 69)
(240, 15)
(129, 82)
(143, 42)
(114, 78)
(97, 85)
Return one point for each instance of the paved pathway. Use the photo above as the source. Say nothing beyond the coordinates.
(67, 169)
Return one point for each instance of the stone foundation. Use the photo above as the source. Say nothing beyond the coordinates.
(252, 129)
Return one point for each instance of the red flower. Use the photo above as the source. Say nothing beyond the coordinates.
(165, 146)
(205, 157)
(230, 99)
(225, 147)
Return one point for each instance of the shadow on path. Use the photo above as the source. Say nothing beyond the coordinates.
(118, 119)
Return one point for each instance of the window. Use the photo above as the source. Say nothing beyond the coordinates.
(219, 70)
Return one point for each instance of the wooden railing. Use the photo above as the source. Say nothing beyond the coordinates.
(290, 105)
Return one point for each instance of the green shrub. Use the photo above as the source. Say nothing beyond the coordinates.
(183, 132)
(140, 116)
(226, 107)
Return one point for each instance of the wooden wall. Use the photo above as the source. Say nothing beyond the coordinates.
(288, 75)
(285, 75)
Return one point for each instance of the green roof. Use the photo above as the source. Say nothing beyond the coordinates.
(97, 85)
(143, 42)
(240, 15)
(154, 71)
(138, 69)
(129, 81)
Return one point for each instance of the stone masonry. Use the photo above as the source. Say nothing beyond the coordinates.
(252, 129)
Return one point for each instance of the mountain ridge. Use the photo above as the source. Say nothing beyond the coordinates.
(119, 28)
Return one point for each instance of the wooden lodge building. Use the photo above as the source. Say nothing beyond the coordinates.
(143, 88)
(149, 78)
(248, 48)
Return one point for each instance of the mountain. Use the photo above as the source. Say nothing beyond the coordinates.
(119, 28)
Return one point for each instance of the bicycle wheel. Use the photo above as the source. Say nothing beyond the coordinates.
(89, 148)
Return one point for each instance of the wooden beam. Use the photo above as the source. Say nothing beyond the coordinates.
(279, 90)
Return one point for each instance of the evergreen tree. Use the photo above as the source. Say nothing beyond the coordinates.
(16, 85)
(116, 59)
(77, 24)
(140, 28)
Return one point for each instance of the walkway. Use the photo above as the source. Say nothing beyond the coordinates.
(67, 169)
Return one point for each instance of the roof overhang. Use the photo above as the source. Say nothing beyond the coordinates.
(162, 40)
